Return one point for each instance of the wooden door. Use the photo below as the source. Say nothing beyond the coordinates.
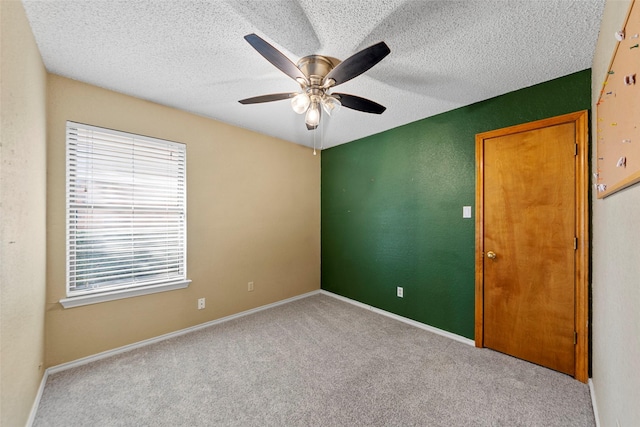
(531, 221)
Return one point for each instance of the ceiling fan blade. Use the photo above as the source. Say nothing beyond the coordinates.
(276, 57)
(358, 63)
(267, 98)
(358, 103)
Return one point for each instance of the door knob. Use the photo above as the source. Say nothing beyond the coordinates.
(491, 255)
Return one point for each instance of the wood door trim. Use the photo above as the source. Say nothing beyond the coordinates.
(580, 120)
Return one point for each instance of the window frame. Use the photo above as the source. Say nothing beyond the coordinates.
(176, 221)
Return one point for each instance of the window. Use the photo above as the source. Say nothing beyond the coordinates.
(126, 215)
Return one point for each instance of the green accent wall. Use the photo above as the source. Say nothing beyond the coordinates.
(391, 205)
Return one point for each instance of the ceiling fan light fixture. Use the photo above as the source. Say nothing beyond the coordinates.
(300, 103)
(316, 75)
(312, 119)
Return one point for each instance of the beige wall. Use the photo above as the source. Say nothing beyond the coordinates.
(22, 215)
(253, 214)
(616, 271)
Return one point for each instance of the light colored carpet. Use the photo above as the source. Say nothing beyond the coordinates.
(317, 361)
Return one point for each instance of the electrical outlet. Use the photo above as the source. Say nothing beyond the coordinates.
(250, 286)
(200, 303)
(400, 292)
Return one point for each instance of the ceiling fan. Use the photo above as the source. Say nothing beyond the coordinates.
(316, 75)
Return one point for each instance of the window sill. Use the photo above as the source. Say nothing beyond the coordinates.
(121, 294)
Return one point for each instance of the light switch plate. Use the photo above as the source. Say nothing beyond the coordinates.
(466, 212)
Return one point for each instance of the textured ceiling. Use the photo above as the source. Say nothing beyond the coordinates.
(192, 55)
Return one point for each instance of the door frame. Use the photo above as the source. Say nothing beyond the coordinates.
(581, 285)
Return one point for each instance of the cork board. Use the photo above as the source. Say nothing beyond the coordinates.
(618, 113)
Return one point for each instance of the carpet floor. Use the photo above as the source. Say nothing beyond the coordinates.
(317, 361)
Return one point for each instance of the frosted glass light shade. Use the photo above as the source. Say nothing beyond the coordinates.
(330, 104)
(300, 103)
(313, 115)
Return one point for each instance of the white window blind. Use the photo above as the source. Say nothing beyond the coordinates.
(126, 210)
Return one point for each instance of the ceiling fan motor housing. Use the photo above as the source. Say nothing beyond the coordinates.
(316, 67)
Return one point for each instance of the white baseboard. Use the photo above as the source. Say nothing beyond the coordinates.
(36, 401)
(411, 322)
(594, 404)
(129, 347)
(139, 344)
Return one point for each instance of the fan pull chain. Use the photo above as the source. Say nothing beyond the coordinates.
(321, 126)
(322, 136)
(314, 142)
